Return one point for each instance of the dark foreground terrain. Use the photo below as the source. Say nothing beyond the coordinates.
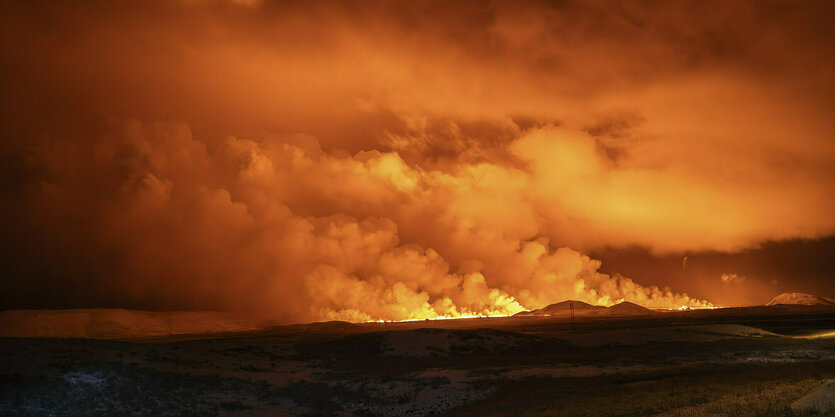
(733, 362)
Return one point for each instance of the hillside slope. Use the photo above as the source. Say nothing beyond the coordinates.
(107, 323)
(799, 298)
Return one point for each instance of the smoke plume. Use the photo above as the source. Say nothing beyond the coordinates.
(366, 161)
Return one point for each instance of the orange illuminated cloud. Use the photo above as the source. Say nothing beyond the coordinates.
(392, 161)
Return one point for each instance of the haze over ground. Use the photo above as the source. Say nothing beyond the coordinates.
(363, 160)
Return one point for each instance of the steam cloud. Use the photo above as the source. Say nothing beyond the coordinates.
(732, 278)
(311, 161)
(228, 224)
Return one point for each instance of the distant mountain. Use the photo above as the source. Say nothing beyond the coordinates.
(627, 309)
(112, 323)
(565, 307)
(799, 298)
(585, 309)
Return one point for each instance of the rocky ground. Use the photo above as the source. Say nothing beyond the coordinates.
(677, 365)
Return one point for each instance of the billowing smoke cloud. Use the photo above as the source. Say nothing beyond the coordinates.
(391, 161)
(732, 278)
(285, 229)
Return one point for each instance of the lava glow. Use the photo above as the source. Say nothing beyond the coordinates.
(441, 318)
(686, 308)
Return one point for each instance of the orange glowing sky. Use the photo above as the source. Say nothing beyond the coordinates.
(398, 160)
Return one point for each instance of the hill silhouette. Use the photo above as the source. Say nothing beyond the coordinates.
(799, 298)
(563, 308)
(628, 308)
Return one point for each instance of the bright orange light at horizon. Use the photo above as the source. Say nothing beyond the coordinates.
(439, 318)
